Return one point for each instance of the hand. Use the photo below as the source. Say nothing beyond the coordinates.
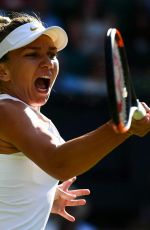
(65, 197)
(141, 127)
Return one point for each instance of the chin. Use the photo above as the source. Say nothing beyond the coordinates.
(38, 98)
(39, 102)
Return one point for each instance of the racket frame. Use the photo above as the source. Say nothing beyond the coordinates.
(121, 93)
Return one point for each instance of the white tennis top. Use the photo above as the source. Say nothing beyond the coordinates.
(26, 191)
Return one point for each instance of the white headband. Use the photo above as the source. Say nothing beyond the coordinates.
(27, 33)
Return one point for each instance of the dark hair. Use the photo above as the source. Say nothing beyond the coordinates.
(10, 23)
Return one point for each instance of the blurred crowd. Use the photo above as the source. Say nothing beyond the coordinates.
(82, 74)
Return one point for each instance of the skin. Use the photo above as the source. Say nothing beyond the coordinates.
(27, 64)
(65, 197)
(74, 157)
(38, 54)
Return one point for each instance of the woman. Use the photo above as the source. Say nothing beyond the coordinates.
(33, 155)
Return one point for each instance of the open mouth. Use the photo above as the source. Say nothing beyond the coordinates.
(42, 84)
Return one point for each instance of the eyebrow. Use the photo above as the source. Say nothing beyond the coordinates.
(39, 48)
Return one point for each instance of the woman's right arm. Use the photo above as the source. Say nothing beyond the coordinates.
(65, 161)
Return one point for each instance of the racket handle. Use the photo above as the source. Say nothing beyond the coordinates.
(140, 112)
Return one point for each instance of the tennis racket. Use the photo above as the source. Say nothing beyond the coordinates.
(123, 103)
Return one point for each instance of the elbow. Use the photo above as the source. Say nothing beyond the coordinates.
(62, 175)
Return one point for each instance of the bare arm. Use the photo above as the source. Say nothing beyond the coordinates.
(67, 160)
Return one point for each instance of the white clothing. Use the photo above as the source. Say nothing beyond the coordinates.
(26, 191)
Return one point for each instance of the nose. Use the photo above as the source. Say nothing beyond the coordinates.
(47, 62)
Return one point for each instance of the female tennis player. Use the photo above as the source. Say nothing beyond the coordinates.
(33, 155)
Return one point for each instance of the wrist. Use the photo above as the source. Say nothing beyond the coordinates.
(126, 134)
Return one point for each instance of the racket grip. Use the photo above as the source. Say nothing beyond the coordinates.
(140, 112)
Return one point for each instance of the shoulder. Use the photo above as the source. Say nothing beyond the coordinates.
(15, 114)
(10, 109)
(4, 103)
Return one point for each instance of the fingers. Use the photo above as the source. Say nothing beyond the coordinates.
(148, 112)
(66, 184)
(146, 107)
(146, 119)
(73, 203)
(142, 127)
(73, 194)
(67, 216)
(80, 192)
(67, 195)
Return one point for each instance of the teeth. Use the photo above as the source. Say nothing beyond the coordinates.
(45, 77)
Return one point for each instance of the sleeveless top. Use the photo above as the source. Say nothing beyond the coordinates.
(26, 191)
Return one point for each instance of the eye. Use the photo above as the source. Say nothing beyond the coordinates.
(34, 54)
(52, 56)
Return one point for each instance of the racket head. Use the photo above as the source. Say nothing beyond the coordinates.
(117, 79)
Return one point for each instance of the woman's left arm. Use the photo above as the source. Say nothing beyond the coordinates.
(65, 197)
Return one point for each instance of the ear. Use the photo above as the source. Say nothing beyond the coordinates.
(4, 73)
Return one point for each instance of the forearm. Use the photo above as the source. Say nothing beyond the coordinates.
(80, 154)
